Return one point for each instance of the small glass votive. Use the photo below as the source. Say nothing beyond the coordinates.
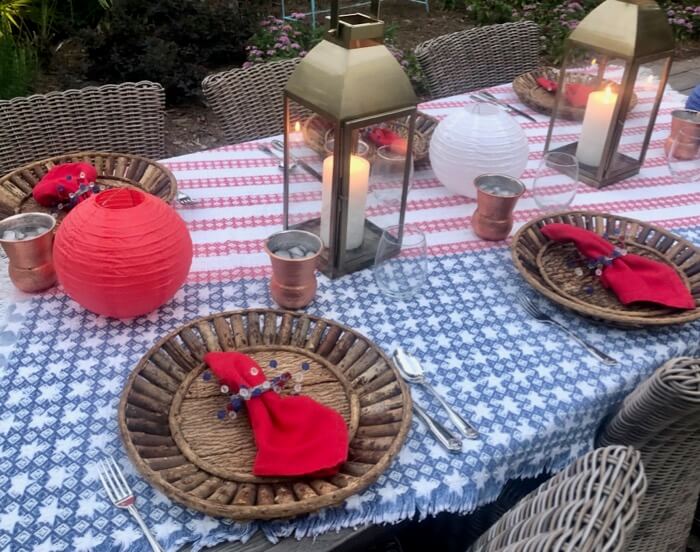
(496, 197)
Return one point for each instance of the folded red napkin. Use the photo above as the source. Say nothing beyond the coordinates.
(294, 435)
(548, 84)
(631, 277)
(577, 93)
(61, 181)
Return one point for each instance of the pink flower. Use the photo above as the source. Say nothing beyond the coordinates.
(295, 46)
(270, 52)
(298, 16)
(303, 53)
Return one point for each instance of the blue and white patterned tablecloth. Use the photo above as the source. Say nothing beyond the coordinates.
(535, 398)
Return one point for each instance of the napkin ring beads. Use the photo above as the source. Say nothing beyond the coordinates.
(276, 384)
(595, 264)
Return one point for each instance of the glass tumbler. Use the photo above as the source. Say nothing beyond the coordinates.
(401, 262)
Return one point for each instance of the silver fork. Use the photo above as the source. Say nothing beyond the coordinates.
(120, 494)
(534, 311)
(184, 199)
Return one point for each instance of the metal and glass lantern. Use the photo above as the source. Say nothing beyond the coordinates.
(350, 115)
(615, 68)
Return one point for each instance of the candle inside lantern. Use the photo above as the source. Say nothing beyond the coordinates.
(357, 200)
(596, 124)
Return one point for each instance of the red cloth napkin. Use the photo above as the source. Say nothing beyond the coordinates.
(295, 435)
(548, 84)
(61, 181)
(631, 277)
(577, 94)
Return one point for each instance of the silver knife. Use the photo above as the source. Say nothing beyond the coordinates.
(279, 146)
(509, 106)
(444, 437)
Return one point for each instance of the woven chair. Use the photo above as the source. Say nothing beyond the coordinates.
(121, 118)
(248, 102)
(591, 506)
(479, 57)
(661, 418)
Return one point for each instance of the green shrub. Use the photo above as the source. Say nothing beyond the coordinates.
(174, 42)
(18, 66)
(557, 19)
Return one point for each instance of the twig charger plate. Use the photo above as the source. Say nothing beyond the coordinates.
(114, 170)
(547, 266)
(169, 425)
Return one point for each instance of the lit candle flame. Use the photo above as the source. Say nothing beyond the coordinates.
(609, 96)
(297, 127)
(594, 62)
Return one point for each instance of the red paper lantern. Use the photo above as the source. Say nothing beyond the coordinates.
(122, 253)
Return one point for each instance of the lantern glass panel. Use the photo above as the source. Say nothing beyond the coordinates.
(305, 133)
(648, 86)
(376, 173)
(588, 97)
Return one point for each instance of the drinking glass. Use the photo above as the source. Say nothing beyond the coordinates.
(556, 181)
(387, 177)
(401, 262)
(684, 155)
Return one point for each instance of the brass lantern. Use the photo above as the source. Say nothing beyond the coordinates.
(611, 83)
(350, 115)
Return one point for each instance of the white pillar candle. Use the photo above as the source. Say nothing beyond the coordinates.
(357, 200)
(596, 124)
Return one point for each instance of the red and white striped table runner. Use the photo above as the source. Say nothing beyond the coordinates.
(239, 194)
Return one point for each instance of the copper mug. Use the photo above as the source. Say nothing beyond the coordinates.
(685, 125)
(31, 258)
(496, 197)
(293, 283)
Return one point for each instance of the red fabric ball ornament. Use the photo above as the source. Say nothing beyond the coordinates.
(122, 253)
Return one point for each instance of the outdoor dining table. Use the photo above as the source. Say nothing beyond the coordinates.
(535, 397)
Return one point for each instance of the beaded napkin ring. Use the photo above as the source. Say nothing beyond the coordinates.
(578, 262)
(276, 384)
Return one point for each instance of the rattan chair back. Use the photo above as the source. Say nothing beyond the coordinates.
(122, 118)
(248, 103)
(479, 57)
(661, 418)
(591, 506)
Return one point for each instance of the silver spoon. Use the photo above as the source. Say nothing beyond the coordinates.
(412, 371)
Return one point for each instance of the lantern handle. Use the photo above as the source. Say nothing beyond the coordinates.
(375, 4)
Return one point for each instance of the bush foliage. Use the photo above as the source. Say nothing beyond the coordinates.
(174, 42)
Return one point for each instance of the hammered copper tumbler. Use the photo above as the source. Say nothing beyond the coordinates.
(293, 282)
(496, 197)
(30, 255)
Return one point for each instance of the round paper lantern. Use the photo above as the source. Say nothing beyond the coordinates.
(478, 139)
(122, 253)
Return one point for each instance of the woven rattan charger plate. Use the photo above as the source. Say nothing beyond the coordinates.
(169, 425)
(534, 96)
(545, 265)
(114, 170)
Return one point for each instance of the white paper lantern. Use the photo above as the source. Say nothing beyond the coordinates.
(475, 140)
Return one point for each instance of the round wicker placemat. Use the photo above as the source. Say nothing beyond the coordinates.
(167, 413)
(542, 101)
(545, 267)
(114, 170)
(586, 288)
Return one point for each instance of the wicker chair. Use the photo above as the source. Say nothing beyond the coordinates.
(248, 102)
(123, 118)
(590, 506)
(661, 418)
(479, 57)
